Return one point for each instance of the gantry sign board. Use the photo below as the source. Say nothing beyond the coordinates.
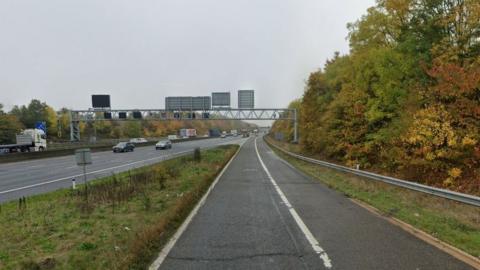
(202, 103)
(221, 99)
(161, 114)
(217, 113)
(101, 101)
(246, 99)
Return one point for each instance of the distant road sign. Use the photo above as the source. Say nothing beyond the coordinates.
(201, 103)
(100, 101)
(246, 99)
(221, 99)
(188, 103)
(41, 125)
(83, 157)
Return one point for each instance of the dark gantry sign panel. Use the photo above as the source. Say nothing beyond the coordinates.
(201, 103)
(246, 99)
(188, 103)
(137, 115)
(221, 99)
(100, 101)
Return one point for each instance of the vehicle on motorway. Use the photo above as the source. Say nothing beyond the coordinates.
(123, 147)
(172, 137)
(138, 140)
(223, 135)
(164, 144)
(214, 132)
(234, 132)
(245, 135)
(188, 132)
(29, 140)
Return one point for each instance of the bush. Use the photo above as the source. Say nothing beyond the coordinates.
(197, 155)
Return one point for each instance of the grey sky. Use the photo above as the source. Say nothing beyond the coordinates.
(63, 51)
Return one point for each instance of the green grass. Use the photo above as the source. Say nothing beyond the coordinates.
(454, 223)
(124, 223)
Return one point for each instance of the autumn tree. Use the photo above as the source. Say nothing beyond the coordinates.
(9, 127)
(406, 99)
(34, 112)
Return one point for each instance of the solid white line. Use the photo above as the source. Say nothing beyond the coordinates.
(171, 243)
(308, 234)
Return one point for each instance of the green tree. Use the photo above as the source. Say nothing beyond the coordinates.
(9, 126)
(28, 115)
(133, 129)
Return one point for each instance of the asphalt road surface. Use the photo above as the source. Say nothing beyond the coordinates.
(26, 178)
(264, 214)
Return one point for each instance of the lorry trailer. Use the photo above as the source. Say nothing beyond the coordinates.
(29, 140)
(188, 132)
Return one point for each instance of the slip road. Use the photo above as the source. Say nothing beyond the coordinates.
(264, 214)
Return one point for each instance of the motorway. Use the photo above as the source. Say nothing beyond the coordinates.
(26, 178)
(264, 214)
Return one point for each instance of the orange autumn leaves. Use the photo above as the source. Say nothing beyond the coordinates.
(406, 100)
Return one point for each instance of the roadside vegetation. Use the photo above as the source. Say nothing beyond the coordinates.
(454, 223)
(406, 100)
(121, 222)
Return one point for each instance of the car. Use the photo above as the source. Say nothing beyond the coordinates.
(138, 140)
(172, 137)
(223, 135)
(164, 144)
(123, 147)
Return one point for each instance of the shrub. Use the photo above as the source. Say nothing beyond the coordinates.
(197, 155)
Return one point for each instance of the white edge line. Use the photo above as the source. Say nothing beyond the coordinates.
(171, 243)
(308, 234)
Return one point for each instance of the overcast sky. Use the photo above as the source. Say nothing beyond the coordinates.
(140, 51)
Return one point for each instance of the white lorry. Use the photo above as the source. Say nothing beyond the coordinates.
(188, 132)
(29, 140)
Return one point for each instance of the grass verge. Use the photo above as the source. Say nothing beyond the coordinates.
(122, 224)
(454, 223)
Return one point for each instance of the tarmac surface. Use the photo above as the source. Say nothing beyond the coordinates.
(265, 214)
